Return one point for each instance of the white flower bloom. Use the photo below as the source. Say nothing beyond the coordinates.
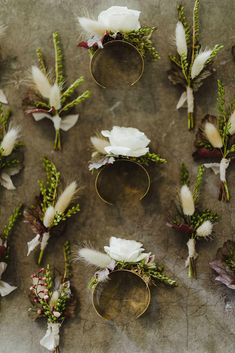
(66, 197)
(180, 39)
(126, 141)
(231, 121)
(56, 313)
(205, 229)
(213, 135)
(99, 144)
(119, 19)
(94, 257)
(114, 19)
(125, 250)
(9, 140)
(40, 287)
(200, 62)
(41, 82)
(55, 97)
(49, 216)
(187, 202)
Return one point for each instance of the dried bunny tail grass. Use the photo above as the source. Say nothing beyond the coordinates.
(41, 81)
(55, 97)
(180, 39)
(187, 201)
(200, 62)
(9, 140)
(205, 229)
(231, 123)
(213, 135)
(94, 257)
(91, 26)
(99, 144)
(49, 216)
(66, 197)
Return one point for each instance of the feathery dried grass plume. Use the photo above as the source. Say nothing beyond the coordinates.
(92, 27)
(205, 229)
(9, 141)
(55, 99)
(213, 135)
(94, 257)
(191, 66)
(180, 38)
(187, 202)
(200, 62)
(99, 144)
(231, 123)
(66, 197)
(41, 82)
(49, 216)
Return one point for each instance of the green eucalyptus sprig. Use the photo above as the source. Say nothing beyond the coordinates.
(215, 142)
(192, 65)
(51, 209)
(53, 100)
(190, 219)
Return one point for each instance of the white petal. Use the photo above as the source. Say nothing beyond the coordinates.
(106, 133)
(32, 244)
(120, 18)
(117, 150)
(68, 122)
(92, 27)
(199, 63)
(6, 288)
(182, 100)
(3, 98)
(6, 182)
(41, 82)
(39, 116)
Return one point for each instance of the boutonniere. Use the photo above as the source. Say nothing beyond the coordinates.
(215, 141)
(191, 220)
(113, 149)
(51, 209)
(118, 23)
(224, 264)
(6, 288)
(122, 143)
(123, 261)
(52, 99)
(192, 65)
(52, 298)
(10, 143)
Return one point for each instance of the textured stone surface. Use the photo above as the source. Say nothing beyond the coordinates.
(196, 317)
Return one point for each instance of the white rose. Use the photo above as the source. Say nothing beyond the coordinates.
(126, 141)
(119, 19)
(125, 250)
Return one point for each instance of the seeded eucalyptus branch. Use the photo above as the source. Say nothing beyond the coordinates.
(191, 66)
(190, 219)
(51, 209)
(53, 100)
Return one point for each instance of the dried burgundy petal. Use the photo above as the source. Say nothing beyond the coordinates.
(182, 228)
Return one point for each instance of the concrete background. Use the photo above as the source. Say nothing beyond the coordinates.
(196, 317)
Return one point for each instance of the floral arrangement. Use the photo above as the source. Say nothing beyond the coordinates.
(51, 298)
(10, 164)
(215, 141)
(121, 143)
(118, 23)
(224, 264)
(6, 288)
(190, 219)
(192, 65)
(51, 98)
(122, 254)
(50, 211)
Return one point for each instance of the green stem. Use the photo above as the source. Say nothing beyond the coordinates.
(57, 142)
(192, 268)
(40, 257)
(57, 350)
(190, 121)
(227, 194)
